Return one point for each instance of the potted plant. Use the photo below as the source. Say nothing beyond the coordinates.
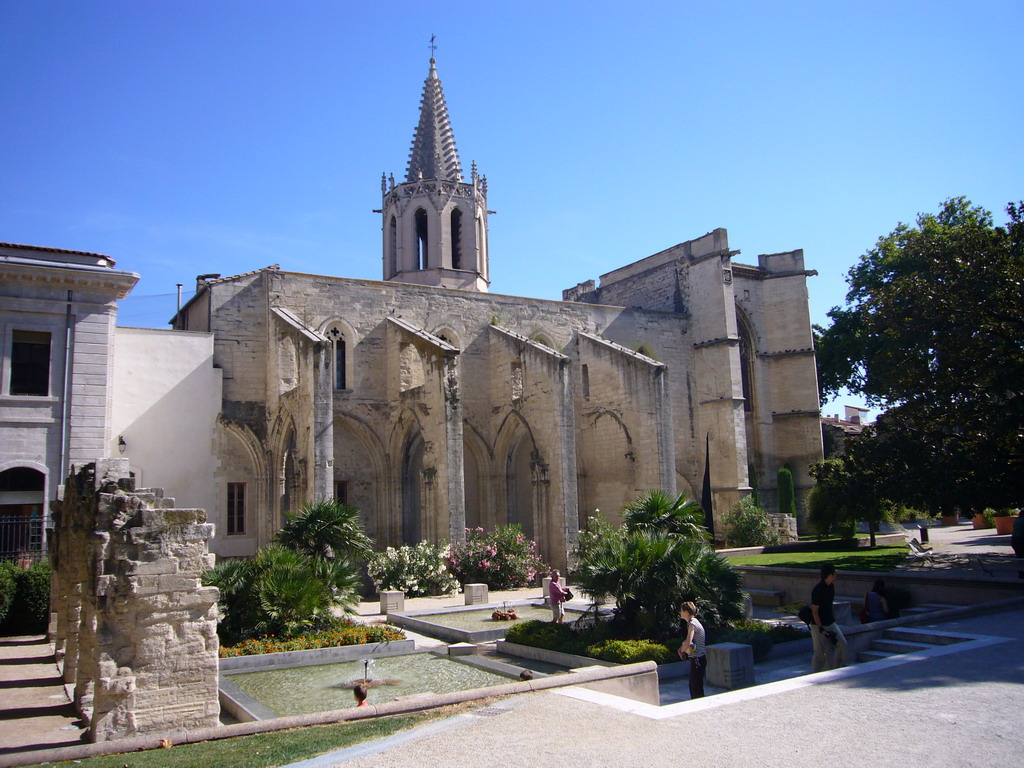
(949, 517)
(984, 519)
(1004, 520)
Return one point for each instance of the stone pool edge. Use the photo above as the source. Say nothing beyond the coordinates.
(420, 703)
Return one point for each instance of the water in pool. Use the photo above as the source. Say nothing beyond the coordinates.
(304, 690)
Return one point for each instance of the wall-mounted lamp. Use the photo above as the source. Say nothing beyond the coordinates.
(121, 444)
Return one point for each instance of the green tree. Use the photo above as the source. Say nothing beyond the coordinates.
(787, 494)
(931, 333)
(849, 489)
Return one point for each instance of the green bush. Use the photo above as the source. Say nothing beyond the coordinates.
(279, 592)
(990, 517)
(8, 584)
(631, 651)
(1004, 513)
(547, 634)
(502, 559)
(747, 525)
(418, 571)
(29, 610)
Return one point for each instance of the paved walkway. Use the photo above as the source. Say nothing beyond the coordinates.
(35, 713)
(961, 709)
(952, 694)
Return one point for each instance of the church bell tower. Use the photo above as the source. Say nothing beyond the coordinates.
(435, 224)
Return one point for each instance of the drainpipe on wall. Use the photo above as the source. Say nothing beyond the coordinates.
(65, 400)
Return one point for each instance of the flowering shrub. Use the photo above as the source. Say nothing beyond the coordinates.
(417, 571)
(343, 633)
(502, 559)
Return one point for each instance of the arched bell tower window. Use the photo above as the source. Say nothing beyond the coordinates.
(393, 247)
(422, 256)
(456, 239)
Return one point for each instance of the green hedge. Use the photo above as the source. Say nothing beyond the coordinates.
(631, 651)
(8, 584)
(594, 642)
(29, 609)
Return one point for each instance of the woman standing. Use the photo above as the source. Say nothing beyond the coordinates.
(693, 649)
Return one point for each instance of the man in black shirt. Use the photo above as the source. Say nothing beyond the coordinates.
(826, 636)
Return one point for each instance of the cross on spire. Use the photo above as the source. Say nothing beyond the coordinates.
(432, 46)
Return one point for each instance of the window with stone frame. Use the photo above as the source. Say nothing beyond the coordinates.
(30, 363)
(340, 353)
(236, 509)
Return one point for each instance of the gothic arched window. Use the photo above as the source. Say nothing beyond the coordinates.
(422, 255)
(337, 337)
(393, 247)
(456, 239)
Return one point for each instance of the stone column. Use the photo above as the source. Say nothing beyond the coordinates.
(323, 423)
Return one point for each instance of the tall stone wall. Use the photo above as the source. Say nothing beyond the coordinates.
(136, 630)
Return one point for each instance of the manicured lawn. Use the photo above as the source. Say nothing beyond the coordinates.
(882, 559)
(261, 750)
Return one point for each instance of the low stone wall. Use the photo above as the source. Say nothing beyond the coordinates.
(136, 631)
(923, 586)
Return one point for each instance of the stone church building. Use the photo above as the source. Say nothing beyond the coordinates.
(432, 405)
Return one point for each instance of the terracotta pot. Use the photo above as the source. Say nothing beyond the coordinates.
(1004, 524)
(950, 519)
(979, 522)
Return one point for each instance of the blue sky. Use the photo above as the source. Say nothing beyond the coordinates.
(190, 137)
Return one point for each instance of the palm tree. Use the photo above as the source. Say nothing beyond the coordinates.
(324, 530)
(649, 573)
(658, 511)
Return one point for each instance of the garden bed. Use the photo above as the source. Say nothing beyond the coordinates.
(286, 659)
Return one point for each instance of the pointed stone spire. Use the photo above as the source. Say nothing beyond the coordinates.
(433, 154)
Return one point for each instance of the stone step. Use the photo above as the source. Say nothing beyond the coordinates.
(769, 597)
(922, 636)
(149, 491)
(897, 646)
(874, 656)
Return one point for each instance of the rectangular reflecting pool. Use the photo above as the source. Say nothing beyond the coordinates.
(326, 687)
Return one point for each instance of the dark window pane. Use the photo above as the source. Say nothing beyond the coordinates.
(30, 363)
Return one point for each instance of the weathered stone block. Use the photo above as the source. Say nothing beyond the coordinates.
(476, 594)
(392, 601)
(730, 665)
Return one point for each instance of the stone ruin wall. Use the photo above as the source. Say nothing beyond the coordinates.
(136, 632)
